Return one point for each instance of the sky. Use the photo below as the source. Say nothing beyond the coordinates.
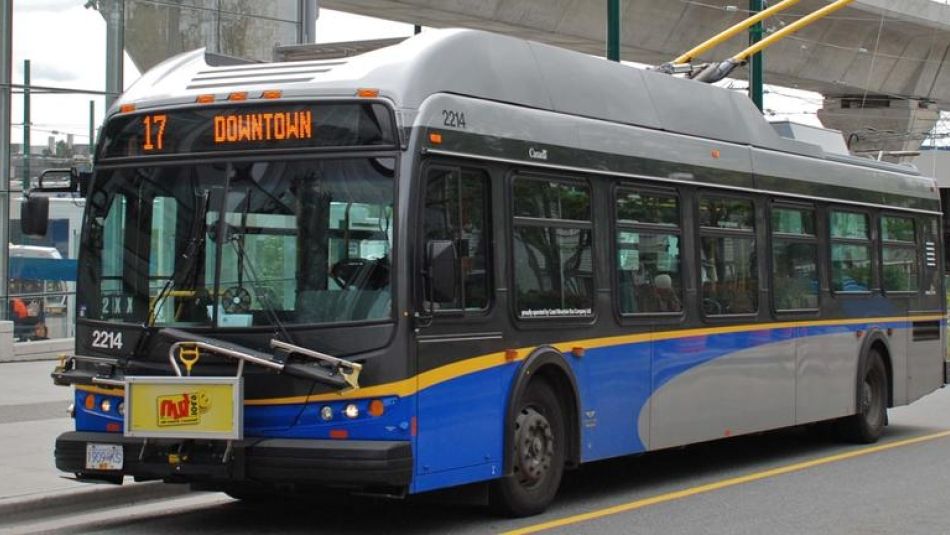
(65, 43)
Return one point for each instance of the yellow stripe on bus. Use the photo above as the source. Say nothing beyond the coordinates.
(411, 386)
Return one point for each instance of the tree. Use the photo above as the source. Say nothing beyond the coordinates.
(63, 150)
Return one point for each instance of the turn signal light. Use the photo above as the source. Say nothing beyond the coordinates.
(435, 138)
(376, 408)
(90, 402)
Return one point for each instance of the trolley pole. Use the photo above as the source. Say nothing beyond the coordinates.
(756, 63)
(25, 179)
(613, 30)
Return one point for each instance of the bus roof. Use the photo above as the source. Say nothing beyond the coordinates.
(493, 67)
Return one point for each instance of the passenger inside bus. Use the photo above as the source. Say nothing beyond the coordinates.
(666, 300)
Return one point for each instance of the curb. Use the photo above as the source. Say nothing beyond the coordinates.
(17, 509)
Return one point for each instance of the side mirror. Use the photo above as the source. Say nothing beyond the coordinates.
(56, 180)
(63, 181)
(34, 215)
(442, 270)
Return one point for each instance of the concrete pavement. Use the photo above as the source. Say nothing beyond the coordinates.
(32, 414)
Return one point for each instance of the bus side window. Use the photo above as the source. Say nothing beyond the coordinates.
(456, 209)
(648, 252)
(794, 259)
(850, 252)
(553, 244)
(900, 265)
(728, 272)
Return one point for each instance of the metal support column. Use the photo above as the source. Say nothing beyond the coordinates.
(756, 62)
(307, 30)
(25, 179)
(115, 47)
(613, 30)
(92, 127)
(6, 77)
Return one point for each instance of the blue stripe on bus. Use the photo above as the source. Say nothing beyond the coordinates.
(461, 420)
(50, 269)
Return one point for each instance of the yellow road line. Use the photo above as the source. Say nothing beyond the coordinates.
(693, 491)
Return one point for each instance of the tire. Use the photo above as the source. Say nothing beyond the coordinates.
(537, 454)
(867, 425)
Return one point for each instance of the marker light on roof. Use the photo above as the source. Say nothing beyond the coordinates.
(272, 94)
(238, 96)
(127, 108)
(205, 99)
(367, 92)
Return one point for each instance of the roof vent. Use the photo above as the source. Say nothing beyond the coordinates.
(261, 74)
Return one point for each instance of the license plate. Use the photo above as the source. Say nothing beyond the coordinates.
(104, 457)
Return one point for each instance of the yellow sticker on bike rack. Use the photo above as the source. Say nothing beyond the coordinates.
(184, 407)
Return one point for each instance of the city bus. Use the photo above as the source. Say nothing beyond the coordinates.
(472, 259)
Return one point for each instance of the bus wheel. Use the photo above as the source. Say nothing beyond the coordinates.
(867, 425)
(537, 454)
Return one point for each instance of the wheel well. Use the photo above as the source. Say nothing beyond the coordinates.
(564, 389)
(881, 347)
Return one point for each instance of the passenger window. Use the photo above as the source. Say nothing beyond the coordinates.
(794, 259)
(899, 272)
(456, 209)
(553, 266)
(850, 252)
(648, 253)
(728, 270)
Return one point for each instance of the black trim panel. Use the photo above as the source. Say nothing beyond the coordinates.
(350, 463)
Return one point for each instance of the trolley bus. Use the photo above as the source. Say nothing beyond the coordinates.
(469, 258)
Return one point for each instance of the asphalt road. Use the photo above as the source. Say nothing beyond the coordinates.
(792, 481)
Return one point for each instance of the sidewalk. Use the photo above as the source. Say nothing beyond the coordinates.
(32, 414)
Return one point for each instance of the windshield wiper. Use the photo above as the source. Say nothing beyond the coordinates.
(262, 296)
(190, 255)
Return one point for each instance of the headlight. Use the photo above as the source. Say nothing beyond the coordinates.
(326, 413)
(351, 411)
(106, 405)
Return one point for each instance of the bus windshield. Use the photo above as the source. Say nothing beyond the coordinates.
(240, 244)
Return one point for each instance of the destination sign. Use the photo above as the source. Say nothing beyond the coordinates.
(249, 127)
(279, 126)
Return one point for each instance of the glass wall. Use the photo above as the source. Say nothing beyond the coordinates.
(241, 28)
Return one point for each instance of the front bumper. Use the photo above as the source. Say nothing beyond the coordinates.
(271, 461)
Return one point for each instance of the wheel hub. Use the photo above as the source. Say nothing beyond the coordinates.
(534, 447)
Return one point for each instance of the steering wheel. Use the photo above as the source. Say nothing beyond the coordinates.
(346, 271)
